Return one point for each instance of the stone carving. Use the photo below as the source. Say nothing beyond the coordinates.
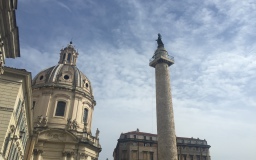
(85, 127)
(159, 41)
(72, 125)
(42, 121)
(83, 155)
(69, 123)
(45, 120)
(97, 133)
(12, 128)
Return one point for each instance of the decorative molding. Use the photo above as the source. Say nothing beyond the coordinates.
(42, 121)
(6, 109)
(62, 95)
(12, 128)
(72, 125)
(83, 155)
(68, 154)
(46, 92)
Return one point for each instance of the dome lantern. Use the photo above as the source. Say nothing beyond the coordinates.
(68, 55)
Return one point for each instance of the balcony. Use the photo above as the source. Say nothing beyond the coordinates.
(161, 58)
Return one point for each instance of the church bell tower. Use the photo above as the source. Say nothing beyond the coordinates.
(167, 148)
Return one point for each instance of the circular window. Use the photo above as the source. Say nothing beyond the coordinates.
(86, 85)
(41, 77)
(66, 77)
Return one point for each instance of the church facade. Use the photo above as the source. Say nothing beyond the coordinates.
(63, 105)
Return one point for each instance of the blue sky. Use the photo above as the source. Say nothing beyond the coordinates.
(213, 78)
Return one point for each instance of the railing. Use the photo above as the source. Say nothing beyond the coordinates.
(167, 56)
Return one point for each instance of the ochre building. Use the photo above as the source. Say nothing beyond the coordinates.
(15, 113)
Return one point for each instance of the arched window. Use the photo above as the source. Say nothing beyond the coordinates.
(64, 56)
(69, 57)
(60, 109)
(85, 115)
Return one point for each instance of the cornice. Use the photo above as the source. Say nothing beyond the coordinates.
(6, 109)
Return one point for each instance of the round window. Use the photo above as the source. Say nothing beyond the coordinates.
(41, 77)
(66, 77)
(86, 85)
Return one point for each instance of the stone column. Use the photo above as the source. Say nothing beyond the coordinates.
(83, 156)
(37, 154)
(64, 155)
(167, 148)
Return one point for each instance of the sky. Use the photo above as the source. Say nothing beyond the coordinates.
(213, 79)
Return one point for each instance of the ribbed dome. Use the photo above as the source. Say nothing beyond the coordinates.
(64, 75)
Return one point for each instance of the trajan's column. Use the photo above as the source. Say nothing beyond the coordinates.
(167, 148)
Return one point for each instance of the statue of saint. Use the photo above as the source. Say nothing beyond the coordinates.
(159, 41)
(45, 120)
(40, 119)
(85, 127)
(97, 133)
(69, 123)
(74, 125)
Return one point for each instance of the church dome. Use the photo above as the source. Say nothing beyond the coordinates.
(65, 75)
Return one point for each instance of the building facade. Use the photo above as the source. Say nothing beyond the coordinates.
(15, 113)
(63, 105)
(9, 34)
(138, 145)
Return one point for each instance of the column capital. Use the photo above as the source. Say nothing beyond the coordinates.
(38, 152)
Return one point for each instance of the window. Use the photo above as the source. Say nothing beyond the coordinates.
(151, 155)
(12, 152)
(185, 157)
(69, 57)
(41, 77)
(60, 109)
(20, 120)
(7, 139)
(66, 77)
(85, 115)
(145, 156)
(124, 155)
(18, 108)
(134, 155)
(64, 56)
(134, 136)
(34, 104)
